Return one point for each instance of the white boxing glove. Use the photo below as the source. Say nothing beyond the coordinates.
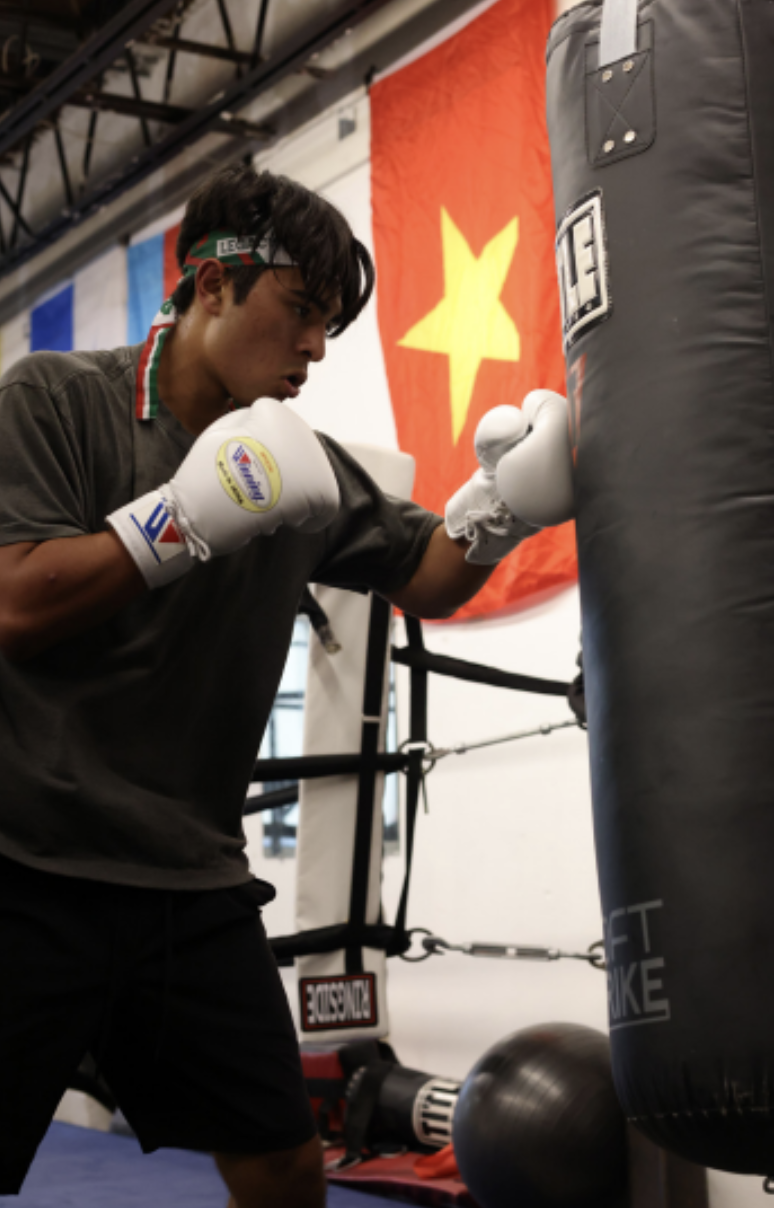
(477, 511)
(534, 479)
(248, 473)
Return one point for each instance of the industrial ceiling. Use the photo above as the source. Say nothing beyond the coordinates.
(112, 110)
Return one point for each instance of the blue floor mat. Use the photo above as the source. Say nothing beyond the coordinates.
(82, 1168)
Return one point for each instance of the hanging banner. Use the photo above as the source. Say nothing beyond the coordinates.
(153, 273)
(467, 296)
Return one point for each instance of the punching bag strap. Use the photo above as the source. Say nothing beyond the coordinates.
(618, 37)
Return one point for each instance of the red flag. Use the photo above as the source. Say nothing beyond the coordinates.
(466, 280)
(172, 272)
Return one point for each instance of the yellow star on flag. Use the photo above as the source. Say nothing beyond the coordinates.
(470, 323)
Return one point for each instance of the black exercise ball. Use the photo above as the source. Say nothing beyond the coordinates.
(538, 1124)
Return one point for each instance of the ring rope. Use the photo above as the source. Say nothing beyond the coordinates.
(306, 767)
(416, 757)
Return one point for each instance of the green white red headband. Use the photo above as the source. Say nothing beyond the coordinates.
(230, 250)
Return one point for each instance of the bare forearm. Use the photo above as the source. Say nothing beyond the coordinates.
(57, 589)
(444, 581)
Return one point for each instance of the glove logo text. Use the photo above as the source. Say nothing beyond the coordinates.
(249, 474)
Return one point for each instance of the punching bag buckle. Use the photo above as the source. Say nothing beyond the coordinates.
(620, 104)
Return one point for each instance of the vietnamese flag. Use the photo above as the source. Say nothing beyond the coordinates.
(463, 225)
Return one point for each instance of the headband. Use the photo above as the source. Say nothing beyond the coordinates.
(230, 250)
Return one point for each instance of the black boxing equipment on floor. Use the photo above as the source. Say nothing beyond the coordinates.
(536, 1124)
(661, 120)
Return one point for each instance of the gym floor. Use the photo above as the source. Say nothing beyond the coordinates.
(83, 1167)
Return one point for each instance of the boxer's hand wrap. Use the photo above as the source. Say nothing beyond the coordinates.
(247, 474)
(477, 511)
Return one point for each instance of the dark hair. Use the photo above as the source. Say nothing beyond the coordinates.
(316, 235)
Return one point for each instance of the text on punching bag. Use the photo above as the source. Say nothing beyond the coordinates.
(635, 971)
(583, 269)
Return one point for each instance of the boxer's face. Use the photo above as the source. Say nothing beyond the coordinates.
(263, 347)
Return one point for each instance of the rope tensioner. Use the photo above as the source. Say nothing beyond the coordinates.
(433, 754)
(435, 946)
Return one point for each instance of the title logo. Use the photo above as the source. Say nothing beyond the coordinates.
(348, 1001)
(582, 266)
(249, 474)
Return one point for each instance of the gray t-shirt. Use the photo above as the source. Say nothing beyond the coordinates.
(125, 753)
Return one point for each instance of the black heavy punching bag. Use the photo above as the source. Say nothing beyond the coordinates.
(661, 119)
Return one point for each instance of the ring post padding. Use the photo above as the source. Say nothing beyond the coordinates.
(618, 36)
(342, 994)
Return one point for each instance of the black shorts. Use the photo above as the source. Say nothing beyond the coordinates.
(175, 993)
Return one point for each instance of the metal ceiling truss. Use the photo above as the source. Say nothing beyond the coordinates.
(79, 82)
(99, 52)
(24, 279)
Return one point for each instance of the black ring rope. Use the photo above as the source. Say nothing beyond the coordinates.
(394, 939)
(310, 767)
(475, 673)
